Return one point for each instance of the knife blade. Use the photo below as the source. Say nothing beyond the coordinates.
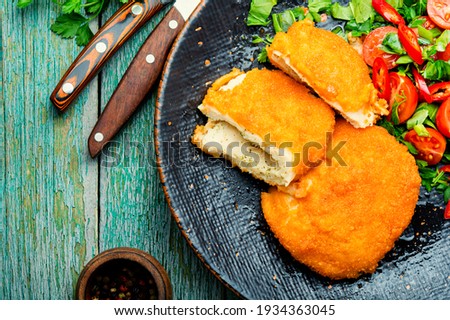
(140, 76)
(109, 38)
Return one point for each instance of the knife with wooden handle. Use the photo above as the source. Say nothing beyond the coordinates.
(113, 34)
(140, 76)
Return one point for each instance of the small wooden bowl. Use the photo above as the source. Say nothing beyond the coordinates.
(116, 260)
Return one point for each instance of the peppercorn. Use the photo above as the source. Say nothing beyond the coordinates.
(121, 279)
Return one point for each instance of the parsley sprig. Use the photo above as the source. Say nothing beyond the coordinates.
(73, 22)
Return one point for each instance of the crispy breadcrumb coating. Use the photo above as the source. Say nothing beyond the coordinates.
(330, 66)
(270, 110)
(348, 217)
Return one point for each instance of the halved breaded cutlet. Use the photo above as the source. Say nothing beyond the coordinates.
(332, 68)
(264, 121)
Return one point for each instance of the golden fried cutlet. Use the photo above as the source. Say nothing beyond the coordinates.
(330, 66)
(268, 118)
(348, 217)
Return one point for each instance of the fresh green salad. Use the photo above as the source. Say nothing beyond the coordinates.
(407, 45)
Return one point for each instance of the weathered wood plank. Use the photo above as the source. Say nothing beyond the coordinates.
(133, 209)
(49, 222)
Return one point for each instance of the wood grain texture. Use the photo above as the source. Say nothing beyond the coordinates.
(133, 209)
(48, 229)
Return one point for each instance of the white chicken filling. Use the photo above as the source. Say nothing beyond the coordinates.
(220, 139)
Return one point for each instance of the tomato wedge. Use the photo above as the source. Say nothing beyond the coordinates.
(381, 79)
(408, 39)
(440, 91)
(403, 100)
(439, 12)
(431, 149)
(387, 11)
(422, 85)
(444, 55)
(443, 118)
(371, 47)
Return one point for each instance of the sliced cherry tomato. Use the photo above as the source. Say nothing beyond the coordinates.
(387, 11)
(440, 91)
(439, 12)
(447, 212)
(371, 47)
(443, 118)
(444, 55)
(428, 24)
(422, 85)
(408, 39)
(404, 98)
(431, 149)
(381, 79)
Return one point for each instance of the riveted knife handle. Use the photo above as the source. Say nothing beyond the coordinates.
(138, 80)
(116, 31)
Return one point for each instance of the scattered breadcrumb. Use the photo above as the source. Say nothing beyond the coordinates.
(198, 29)
(207, 62)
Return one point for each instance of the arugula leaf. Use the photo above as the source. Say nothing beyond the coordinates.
(259, 12)
(23, 3)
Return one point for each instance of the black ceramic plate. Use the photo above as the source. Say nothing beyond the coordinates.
(218, 207)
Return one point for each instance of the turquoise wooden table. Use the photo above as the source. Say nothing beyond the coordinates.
(59, 207)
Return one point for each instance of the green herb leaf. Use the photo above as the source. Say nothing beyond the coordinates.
(421, 130)
(23, 3)
(70, 6)
(404, 60)
(431, 110)
(443, 41)
(437, 70)
(397, 4)
(319, 6)
(259, 12)
(418, 118)
(67, 25)
(282, 21)
(341, 12)
(362, 10)
(263, 57)
(95, 6)
(447, 194)
(84, 34)
(391, 44)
